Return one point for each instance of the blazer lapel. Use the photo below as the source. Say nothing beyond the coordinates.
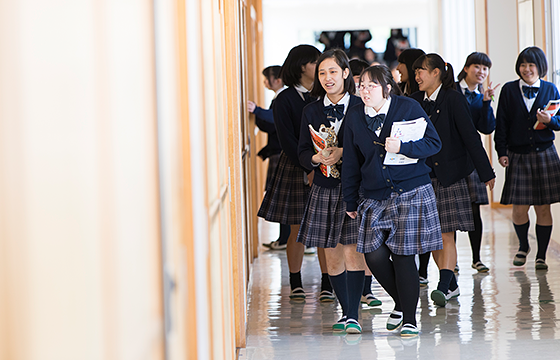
(439, 101)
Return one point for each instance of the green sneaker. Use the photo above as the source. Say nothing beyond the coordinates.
(439, 298)
(395, 320)
(340, 325)
(540, 265)
(353, 327)
(297, 294)
(521, 257)
(370, 300)
(409, 330)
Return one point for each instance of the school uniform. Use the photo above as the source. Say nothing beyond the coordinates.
(264, 119)
(484, 121)
(398, 208)
(325, 223)
(533, 174)
(286, 196)
(461, 153)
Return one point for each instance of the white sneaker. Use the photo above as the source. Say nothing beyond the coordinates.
(452, 294)
(275, 245)
(310, 250)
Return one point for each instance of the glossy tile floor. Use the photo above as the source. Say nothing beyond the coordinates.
(508, 313)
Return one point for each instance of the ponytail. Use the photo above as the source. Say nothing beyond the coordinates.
(434, 61)
(448, 78)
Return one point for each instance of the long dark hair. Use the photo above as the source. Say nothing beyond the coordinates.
(434, 61)
(341, 60)
(297, 57)
(407, 57)
(478, 58)
(381, 75)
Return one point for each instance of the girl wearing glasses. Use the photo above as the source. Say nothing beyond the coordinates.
(525, 144)
(461, 147)
(397, 213)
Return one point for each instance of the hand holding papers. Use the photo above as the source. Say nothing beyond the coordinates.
(405, 131)
(551, 109)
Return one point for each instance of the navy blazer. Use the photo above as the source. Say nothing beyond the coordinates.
(313, 114)
(482, 113)
(264, 119)
(461, 145)
(514, 126)
(287, 108)
(362, 162)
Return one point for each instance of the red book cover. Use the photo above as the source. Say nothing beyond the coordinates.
(551, 108)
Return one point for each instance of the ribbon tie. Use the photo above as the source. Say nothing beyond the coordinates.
(334, 112)
(429, 106)
(375, 123)
(470, 95)
(307, 97)
(530, 91)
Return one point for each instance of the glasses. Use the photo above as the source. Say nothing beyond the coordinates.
(369, 87)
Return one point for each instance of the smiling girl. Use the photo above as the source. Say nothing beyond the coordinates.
(461, 147)
(397, 212)
(470, 82)
(529, 156)
(325, 223)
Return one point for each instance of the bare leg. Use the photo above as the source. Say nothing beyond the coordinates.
(294, 250)
(322, 260)
(447, 257)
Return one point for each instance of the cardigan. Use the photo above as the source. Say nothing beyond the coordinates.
(313, 115)
(482, 113)
(514, 123)
(461, 145)
(287, 108)
(362, 161)
(264, 119)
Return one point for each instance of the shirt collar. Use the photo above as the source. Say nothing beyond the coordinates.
(537, 83)
(301, 88)
(344, 101)
(278, 92)
(384, 109)
(434, 95)
(463, 84)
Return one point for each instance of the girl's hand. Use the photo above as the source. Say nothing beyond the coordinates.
(251, 106)
(491, 184)
(334, 157)
(310, 177)
(352, 214)
(392, 145)
(489, 93)
(543, 116)
(318, 158)
(504, 161)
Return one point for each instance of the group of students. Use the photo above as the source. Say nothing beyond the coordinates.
(335, 189)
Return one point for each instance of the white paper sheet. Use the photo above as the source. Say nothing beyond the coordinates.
(405, 131)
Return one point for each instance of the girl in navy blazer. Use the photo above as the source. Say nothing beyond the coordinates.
(325, 223)
(472, 76)
(395, 204)
(461, 147)
(524, 141)
(286, 196)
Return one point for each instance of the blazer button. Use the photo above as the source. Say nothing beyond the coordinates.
(436, 163)
(384, 167)
(381, 155)
(400, 190)
(388, 180)
(437, 111)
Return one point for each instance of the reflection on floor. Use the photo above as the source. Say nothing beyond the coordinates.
(508, 313)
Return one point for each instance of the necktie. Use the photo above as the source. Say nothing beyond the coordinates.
(470, 95)
(530, 91)
(334, 112)
(429, 106)
(375, 123)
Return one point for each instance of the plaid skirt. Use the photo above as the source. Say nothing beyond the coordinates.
(272, 165)
(454, 206)
(532, 179)
(325, 223)
(477, 189)
(286, 196)
(408, 223)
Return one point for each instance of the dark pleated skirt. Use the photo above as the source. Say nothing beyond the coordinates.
(532, 179)
(477, 189)
(454, 206)
(325, 223)
(286, 196)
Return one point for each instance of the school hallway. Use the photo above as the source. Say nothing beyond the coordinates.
(507, 313)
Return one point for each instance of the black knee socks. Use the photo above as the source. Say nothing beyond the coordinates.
(295, 280)
(285, 231)
(445, 278)
(326, 282)
(424, 260)
(522, 234)
(367, 285)
(340, 284)
(408, 286)
(476, 236)
(543, 238)
(355, 284)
